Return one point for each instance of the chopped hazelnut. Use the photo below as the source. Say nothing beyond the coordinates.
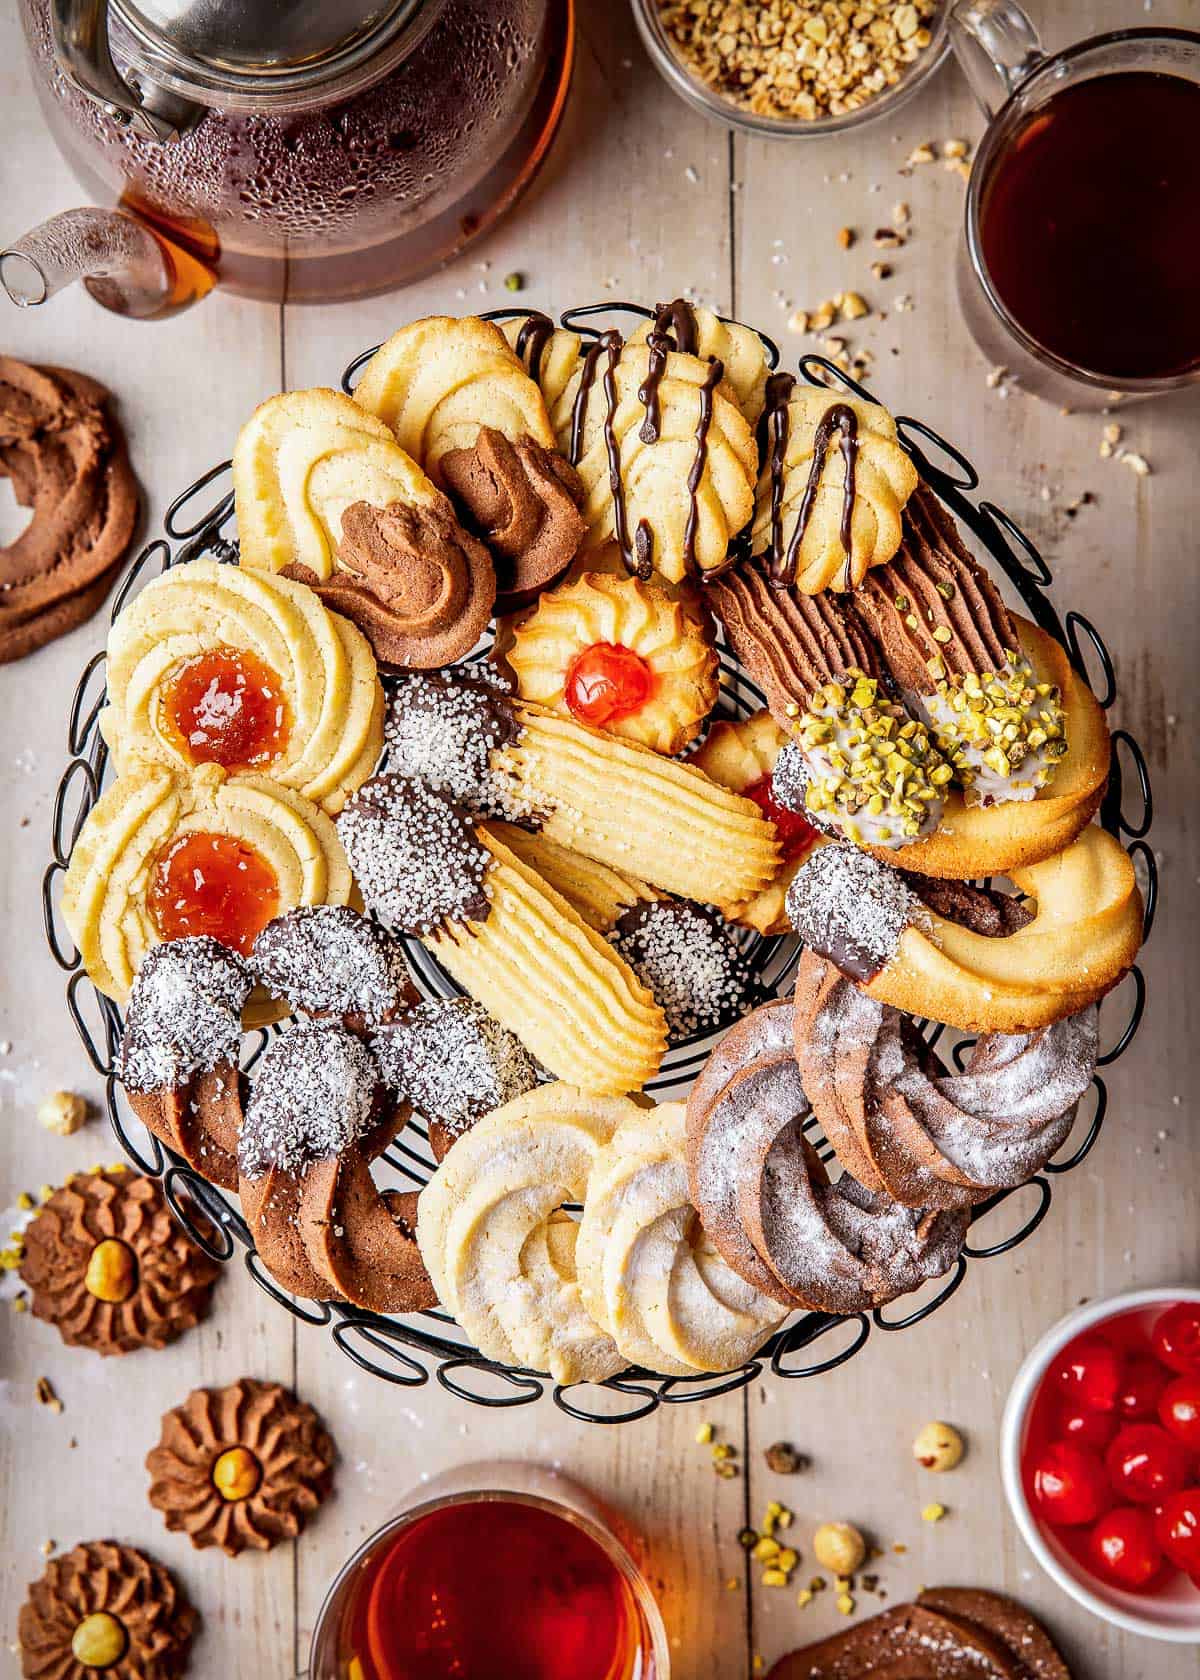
(839, 1547)
(938, 1446)
(63, 1113)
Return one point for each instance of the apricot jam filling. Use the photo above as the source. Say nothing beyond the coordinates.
(226, 707)
(212, 884)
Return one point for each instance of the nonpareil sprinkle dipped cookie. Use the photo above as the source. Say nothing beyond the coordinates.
(662, 822)
(326, 495)
(460, 401)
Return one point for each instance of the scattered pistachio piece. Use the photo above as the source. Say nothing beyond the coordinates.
(933, 1512)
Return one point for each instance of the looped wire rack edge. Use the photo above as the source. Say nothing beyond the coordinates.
(406, 1351)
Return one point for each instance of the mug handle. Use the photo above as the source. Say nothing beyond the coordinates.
(997, 47)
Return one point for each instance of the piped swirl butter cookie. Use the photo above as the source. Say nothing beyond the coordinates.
(163, 855)
(506, 936)
(217, 664)
(697, 331)
(1082, 937)
(666, 456)
(660, 821)
(326, 494)
(105, 1608)
(833, 486)
(907, 1128)
(499, 1248)
(64, 454)
(618, 654)
(647, 1271)
(459, 400)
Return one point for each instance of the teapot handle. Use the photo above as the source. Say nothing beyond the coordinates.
(84, 56)
(997, 47)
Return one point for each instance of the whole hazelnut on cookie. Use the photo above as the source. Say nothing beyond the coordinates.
(938, 1446)
(839, 1547)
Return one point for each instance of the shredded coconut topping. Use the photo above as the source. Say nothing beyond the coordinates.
(416, 858)
(690, 961)
(327, 959)
(851, 908)
(443, 732)
(453, 1061)
(313, 1095)
(185, 1013)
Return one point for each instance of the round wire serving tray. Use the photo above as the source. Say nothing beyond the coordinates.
(407, 1350)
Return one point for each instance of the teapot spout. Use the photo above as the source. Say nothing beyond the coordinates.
(121, 262)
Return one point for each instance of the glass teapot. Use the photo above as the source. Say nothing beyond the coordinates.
(307, 150)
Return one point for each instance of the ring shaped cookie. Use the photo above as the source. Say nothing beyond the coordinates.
(500, 1252)
(975, 840)
(331, 697)
(1083, 937)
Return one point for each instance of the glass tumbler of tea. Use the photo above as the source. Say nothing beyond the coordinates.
(1079, 268)
(491, 1570)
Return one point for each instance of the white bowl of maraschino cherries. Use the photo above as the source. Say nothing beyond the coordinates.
(1100, 1455)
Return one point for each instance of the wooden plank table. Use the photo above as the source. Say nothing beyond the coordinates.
(642, 199)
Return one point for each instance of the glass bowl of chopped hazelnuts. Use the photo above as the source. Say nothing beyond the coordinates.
(786, 68)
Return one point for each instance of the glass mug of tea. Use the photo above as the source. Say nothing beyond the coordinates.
(489, 1570)
(1079, 268)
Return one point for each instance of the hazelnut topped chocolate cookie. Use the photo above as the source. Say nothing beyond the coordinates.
(105, 1608)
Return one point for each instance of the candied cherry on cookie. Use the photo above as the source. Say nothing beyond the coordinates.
(1176, 1337)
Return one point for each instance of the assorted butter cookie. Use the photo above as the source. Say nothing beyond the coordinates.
(618, 654)
(460, 401)
(872, 924)
(833, 486)
(241, 1467)
(106, 1264)
(667, 458)
(740, 754)
(165, 854)
(504, 934)
(218, 664)
(325, 494)
(690, 327)
(105, 1608)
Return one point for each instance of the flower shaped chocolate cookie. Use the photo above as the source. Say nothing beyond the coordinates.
(105, 1608)
(107, 1264)
(241, 1466)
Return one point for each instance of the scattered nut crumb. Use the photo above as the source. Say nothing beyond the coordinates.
(854, 306)
(881, 270)
(933, 1513)
(845, 1604)
(704, 1434)
(1135, 463)
(954, 148)
(996, 376)
(63, 1113)
(901, 214)
(846, 237)
(921, 154)
(784, 1460)
(798, 321)
(44, 1390)
(514, 282)
(888, 239)
(904, 303)
(839, 1547)
(48, 1546)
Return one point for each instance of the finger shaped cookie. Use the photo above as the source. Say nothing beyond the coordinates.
(647, 1272)
(834, 483)
(690, 327)
(505, 935)
(215, 664)
(163, 854)
(496, 1245)
(598, 892)
(619, 803)
(1083, 936)
(740, 755)
(619, 654)
(324, 492)
(460, 401)
(907, 1128)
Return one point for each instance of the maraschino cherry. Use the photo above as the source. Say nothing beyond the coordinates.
(795, 833)
(607, 682)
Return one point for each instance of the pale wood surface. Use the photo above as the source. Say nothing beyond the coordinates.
(618, 211)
